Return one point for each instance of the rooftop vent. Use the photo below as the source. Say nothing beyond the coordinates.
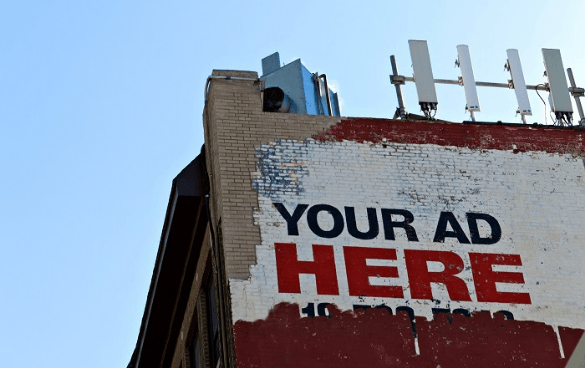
(303, 92)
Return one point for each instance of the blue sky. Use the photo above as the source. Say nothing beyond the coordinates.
(100, 108)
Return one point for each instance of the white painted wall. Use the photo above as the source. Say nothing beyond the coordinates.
(537, 198)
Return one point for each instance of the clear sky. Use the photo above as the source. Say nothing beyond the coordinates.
(100, 108)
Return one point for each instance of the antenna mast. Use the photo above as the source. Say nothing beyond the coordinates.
(559, 91)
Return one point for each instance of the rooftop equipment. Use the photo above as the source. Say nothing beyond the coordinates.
(292, 88)
(518, 83)
(559, 97)
(560, 100)
(468, 80)
(423, 76)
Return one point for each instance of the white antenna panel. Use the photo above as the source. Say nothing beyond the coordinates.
(468, 78)
(519, 82)
(557, 81)
(423, 73)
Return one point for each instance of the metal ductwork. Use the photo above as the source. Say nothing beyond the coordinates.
(297, 91)
(275, 100)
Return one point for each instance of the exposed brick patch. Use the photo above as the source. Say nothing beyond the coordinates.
(234, 126)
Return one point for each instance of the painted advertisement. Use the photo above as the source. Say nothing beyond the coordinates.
(394, 250)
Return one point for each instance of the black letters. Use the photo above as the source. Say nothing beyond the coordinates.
(495, 226)
(352, 225)
(373, 230)
(441, 233)
(389, 225)
(291, 221)
(314, 224)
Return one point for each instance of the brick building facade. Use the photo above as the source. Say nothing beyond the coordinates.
(306, 240)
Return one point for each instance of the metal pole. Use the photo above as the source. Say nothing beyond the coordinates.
(576, 96)
(401, 107)
(327, 94)
(400, 78)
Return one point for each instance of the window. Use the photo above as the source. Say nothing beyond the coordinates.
(213, 322)
(195, 351)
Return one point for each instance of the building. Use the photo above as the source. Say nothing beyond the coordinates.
(320, 241)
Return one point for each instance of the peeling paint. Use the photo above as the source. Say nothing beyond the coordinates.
(530, 180)
(374, 338)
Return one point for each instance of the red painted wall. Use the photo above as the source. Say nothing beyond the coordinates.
(374, 338)
(475, 136)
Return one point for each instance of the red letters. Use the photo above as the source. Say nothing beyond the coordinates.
(358, 272)
(485, 278)
(420, 277)
(288, 268)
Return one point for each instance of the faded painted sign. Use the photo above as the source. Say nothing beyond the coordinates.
(418, 228)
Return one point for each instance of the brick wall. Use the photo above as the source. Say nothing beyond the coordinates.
(419, 218)
(234, 126)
